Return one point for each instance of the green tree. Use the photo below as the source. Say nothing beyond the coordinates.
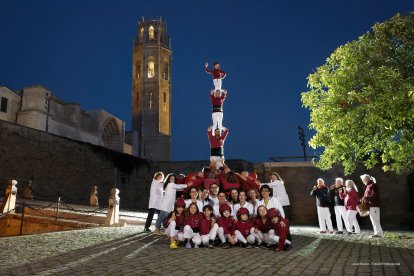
(361, 100)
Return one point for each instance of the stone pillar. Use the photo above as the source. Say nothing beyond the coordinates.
(93, 198)
(112, 216)
(10, 197)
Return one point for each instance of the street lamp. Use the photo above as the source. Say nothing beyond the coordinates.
(303, 140)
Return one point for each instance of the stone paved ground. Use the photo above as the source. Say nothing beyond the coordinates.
(129, 251)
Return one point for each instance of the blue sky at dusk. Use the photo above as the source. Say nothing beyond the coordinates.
(82, 51)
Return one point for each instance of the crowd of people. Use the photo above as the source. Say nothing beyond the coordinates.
(345, 202)
(220, 208)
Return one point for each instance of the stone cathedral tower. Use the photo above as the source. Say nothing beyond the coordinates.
(151, 91)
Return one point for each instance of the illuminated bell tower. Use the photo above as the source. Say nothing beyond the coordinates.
(151, 90)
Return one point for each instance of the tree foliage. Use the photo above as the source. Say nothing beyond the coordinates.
(361, 100)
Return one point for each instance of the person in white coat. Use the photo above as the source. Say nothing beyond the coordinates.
(156, 194)
(222, 200)
(242, 203)
(193, 198)
(279, 191)
(268, 200)
(167, 202)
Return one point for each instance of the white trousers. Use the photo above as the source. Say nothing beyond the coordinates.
(189, 234)
(219, 161)
(374, 215)
(352, 221)
(340, 213)
(217, 84)
(217, 118)
(262, 237)
(220, 233)
(250, 238)
(211, 236)
(171, 232)
(274, 239)
(324, 217)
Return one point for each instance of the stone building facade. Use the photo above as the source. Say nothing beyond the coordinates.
(151, 91)
(36, 107)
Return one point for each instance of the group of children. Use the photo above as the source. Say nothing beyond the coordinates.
(194, 228)
(227, 218)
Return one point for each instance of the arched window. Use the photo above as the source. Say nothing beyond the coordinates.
(138, 70)
(111, 135)
(151, 67)
(151, 32)
(165, 101)
(165, 71)
(141, 32)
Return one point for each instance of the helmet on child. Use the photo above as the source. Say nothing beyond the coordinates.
(272, 213)
(242, 211)
(224, 207)
(180, 203)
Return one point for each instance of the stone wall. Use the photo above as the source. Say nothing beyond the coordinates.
(396, 191)
(69, 167)
(10, 226)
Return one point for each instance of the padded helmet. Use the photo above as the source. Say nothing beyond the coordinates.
(224, 207)
(242, 211)
(273, 212)
(180, 203)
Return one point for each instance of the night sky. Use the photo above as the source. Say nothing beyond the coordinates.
(82, 51)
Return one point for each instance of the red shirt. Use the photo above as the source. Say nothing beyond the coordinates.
(179, 220)
(371, 195)
(282, 232)
(193, 181)
(226, 223)
(205, 224)
(217, 142)
(217, 103)
(263, 227)
(351, 199)
(225, 185)
(193, 220)
(243, 226)
(248, 183)
(217, 73)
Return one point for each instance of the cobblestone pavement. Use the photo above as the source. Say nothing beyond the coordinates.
(129, 251)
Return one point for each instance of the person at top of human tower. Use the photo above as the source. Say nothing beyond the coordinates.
(217, 73)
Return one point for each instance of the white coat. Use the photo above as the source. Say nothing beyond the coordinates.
(156, 194)
(279, 191)
(198, 202)
(168, 200)
(273, 203)
(247, 205)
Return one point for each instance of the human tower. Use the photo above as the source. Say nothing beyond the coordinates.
(217, 133)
